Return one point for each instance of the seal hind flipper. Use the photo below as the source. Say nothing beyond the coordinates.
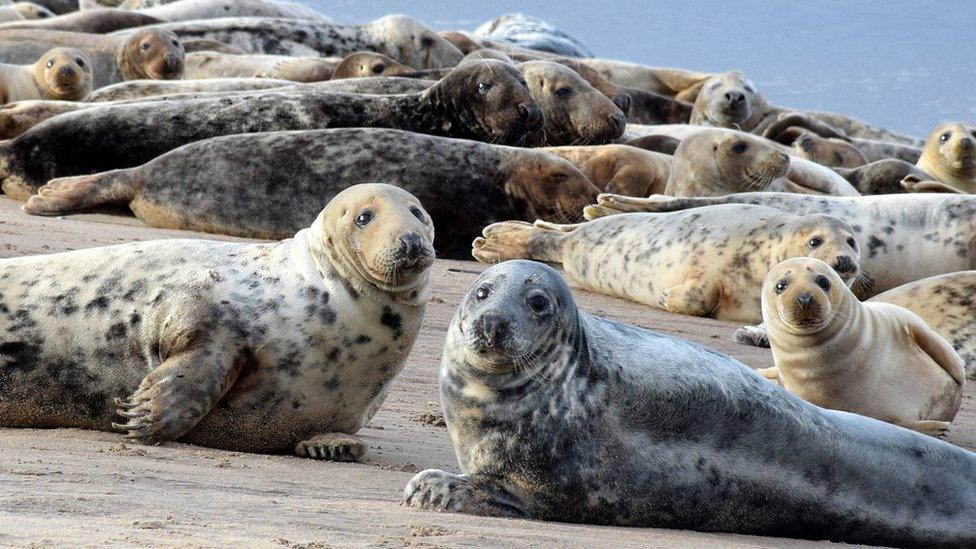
(757, 336)
(332, 447)
(939, 350)
(70, 194)
(520, 240)
(915, 184)
(471, 494)
(654, 203)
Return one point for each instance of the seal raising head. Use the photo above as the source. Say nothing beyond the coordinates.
(152, 54)
(950, 155)
(66, 75)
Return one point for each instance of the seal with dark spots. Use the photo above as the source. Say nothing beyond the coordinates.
(708, 262)
(562, 416)
(212, 64)
(950, 156)
(246, 347)
(61, 74)
(407, 40)
(903, 238)
(142, 54)
(619, 169)
(92, 21)
(487, 101)
(881, 176)
(265, 185)
(874, 359)
(193, 10)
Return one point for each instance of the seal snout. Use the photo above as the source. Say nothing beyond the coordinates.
(531, 116)
(618, 122)
(66, 72)
(845, 265)
(623, 102)
(493, 331)
(413, 251)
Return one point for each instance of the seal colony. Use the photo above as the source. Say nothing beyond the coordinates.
(247, 118)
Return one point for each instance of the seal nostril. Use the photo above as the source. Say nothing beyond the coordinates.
(66, 71)
(804, 299)
(844, 264)
(623, 102)
(966, 143)
(618, 120)
(411, 245)
(494, 329)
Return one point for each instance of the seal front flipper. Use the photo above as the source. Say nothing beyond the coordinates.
(929, 427)
(176, 395)
(332, 447)
(752, 335)
(520, 240)
(72, 194)
(939, 350)
(472, 494)
(693, 297)
(800, 120)
(655, 203)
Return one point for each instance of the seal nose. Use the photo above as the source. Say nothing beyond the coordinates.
(804, 299)
(735, 97)
(967, 143)
(618, 121)
(494, 329)
(622, 102)
(172, 62)
(844, 265)
(66, 72)
(412, 246)
(531, 115)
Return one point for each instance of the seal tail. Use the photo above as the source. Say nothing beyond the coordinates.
(520, 240)
(71, 194)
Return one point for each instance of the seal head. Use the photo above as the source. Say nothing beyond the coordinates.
(366, 63)
(802, 295)
(729, 100)
(950, 155)
(151, 54)
(415, 45)
(64, 74)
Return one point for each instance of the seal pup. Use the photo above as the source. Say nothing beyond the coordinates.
(559, 415)
(407, 40)
(950, 156)
(706, 262)
(718, 161)
(874, 359)
(903, 238)
(94, 21)
(60, 74)
(487, 101)
(284, 347)
(212, 64)
(203, 185)
(142, 54)
(619, 169)
(881, 176)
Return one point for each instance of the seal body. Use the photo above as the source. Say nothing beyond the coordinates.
(467, 184)
(60, 74)
(246, 347)
(707, 262)
(559, 415)
(950, 156)
(903, 238)
(141, 131)
(192, 10)
(203, 65)
(532, 33)
(99, 21)
(407, 40)
(137, 89)
(874, 359)
(680, 84)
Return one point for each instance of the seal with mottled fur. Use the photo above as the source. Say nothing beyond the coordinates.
(407, 40)
(92, 21)
(61, 74)
(251, 347)
(562, 416)
(903, 238)
(950, 156)
(193, 10)
(212, 64)
(137, 89)
(265, 185)
(874, 359)
(152, 54)
(707, 262)
(487, 101)
(367, 63)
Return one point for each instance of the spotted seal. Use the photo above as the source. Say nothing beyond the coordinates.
(94, 21)
(211, 64)
(619, 169)
(407, 40)
(152, 54)
(194, 10)
(465, 184)
(903, 238)
(251, 347)
(559, 415)
(874, 359)
(487, 101)
(138, 89)
(706, 262)
(60, 74)
(950, 156)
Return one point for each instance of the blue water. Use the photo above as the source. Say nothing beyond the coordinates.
(899, 64)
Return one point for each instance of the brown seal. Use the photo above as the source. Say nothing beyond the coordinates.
(61, 74)
(950, 156)
(619, 169)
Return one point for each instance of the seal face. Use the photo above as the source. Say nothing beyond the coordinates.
(715, 162)
(369, 64)
(873, 359)
(297, 341)
(67, 75)
(950, 156)
(559, 415)
(151, 54)
(729, 100)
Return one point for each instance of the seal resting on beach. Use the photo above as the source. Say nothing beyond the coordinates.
(562, 416)
(61, 74)
(283, 347)
(949, 156)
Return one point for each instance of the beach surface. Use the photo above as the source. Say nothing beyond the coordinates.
(86, 488)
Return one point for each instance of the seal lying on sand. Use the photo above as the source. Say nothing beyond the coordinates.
(265, 185)
(60, 74)
(144, 54)
(874, 359)
(563, 416)
(407, 40)
(250, 347)
(487, 101)
(706, 262)
(903, 238)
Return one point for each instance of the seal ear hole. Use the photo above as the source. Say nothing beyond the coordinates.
(417, 213)
(815, 242)
(852, 243)
(823, 282)
(482, 293)
(538, 303)
(364, 218)
(781, 286)
(740, 147)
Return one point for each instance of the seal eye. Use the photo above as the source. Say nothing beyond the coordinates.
(815, 242)
(852, 243)
(81, 62)
(823, 283)
(364, 218)
(426, 41)
(781, 286)
(379, 68)
(944, 137)
(482, 293)
(484, 87)
(538, 303)
(417, 213)
(740, 147)
(50, 63)
(563, 93)
(175, 43)
(145, 46)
